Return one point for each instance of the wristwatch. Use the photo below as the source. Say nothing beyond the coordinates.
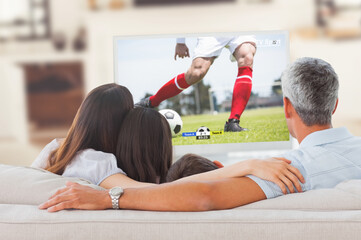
(115, 193)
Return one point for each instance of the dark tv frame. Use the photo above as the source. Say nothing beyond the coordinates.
(176, 2)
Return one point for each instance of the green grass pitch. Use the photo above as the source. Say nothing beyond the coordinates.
(264, 124)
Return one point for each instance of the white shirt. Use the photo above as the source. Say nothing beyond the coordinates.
(94, 166)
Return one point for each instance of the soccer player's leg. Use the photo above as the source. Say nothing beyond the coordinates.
(195, 73)
(243, 86)
(198, 69)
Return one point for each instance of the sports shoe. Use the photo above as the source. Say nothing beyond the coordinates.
(232, 125)
(145, 102)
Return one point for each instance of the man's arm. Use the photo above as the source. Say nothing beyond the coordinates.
(176, 196)
(276, 170)
(194, 196)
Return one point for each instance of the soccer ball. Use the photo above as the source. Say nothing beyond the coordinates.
(203, 133)
(174, 120)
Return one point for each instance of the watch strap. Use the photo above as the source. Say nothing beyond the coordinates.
(115, 201)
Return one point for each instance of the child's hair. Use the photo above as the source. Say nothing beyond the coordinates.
(190, 164)
(144, 148)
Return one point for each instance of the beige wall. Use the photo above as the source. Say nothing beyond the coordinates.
(66, 16)
(13, 105)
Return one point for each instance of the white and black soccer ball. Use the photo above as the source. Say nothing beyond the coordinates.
(203, 131)
(174, 120)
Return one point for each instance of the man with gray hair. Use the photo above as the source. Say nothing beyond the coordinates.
(311, 85)
(326, 157)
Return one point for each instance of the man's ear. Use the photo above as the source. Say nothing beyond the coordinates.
(287, 107)
(334, 110)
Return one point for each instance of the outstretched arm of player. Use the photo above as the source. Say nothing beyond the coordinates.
(181, 49)
(175, 196)
(277, 170)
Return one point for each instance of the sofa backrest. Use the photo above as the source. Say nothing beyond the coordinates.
(32, 186)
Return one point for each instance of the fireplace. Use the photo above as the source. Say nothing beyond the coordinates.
(54, 93)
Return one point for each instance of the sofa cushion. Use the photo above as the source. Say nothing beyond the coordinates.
(26, 185)
(28, 222)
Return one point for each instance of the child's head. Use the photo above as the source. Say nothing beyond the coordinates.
(144, 148)
(191, 164)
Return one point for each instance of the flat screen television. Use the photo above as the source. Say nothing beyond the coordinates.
(145, 63)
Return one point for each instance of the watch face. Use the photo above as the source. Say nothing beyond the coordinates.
(116, 191)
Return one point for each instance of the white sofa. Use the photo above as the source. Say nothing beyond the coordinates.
(319, 214)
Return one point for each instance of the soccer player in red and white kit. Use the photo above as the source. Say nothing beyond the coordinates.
(242, 48)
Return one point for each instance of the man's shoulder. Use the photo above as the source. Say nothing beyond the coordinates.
(328, 162)
(296, 156)
(332, 145)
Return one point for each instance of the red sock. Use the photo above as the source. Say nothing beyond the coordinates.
(170, 89)
(241, 92)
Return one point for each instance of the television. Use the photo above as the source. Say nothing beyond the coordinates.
(145, 63)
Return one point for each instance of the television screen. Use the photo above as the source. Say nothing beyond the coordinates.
(197, 114)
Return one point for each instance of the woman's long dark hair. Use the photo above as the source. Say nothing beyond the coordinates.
(144, 149)
(95, 125)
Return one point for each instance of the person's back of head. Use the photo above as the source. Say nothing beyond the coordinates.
(311, 85)
(95, 125)
(144, 147)
(190, 164)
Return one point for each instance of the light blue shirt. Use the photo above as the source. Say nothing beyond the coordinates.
(325, 158)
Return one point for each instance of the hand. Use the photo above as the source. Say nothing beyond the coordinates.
(77, 196)
(181, 50)
(279, 171)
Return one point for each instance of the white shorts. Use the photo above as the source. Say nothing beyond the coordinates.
(212, 46)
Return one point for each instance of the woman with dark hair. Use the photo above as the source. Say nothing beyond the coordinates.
(144, 150)
(88, 151)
